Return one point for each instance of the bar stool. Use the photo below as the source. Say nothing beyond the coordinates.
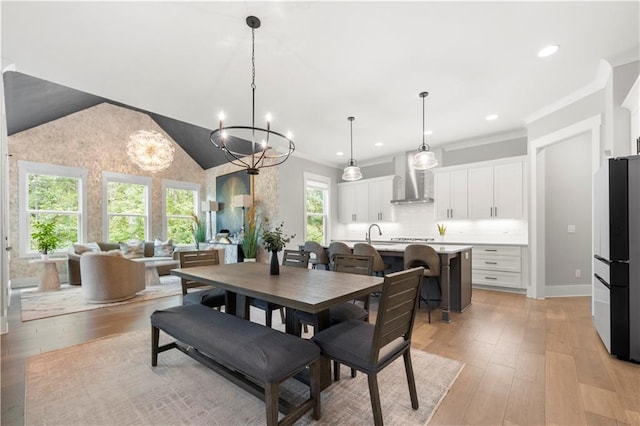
(426, 256)
(368, 250)
(335, 248)
(320, 253)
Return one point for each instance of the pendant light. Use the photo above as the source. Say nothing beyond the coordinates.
(252, 147)
(424, 159)
(352, 171)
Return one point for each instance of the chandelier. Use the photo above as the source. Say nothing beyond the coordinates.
(150, 150)
(252, 147)
(352, 171)
(424, 159)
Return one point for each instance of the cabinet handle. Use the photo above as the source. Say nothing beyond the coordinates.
(490, 278)
(451, 213)
(496, 212)
(491, 263)
(491, 211)
(490, 249)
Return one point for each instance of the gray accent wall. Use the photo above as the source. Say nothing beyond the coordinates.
(568, 180)
(485, 152)
(291, 193)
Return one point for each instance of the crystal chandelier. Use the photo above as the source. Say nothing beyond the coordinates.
(352, 171)
(424, 159)
(150, 150)
(252, 147)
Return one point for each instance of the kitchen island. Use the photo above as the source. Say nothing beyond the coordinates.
(455, 271)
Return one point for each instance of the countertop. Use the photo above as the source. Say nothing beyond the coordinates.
(400, 247)
(438, 241)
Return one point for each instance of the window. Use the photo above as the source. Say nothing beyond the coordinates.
(180, 202)
(51, 193)
(316, 202)
(126, 213)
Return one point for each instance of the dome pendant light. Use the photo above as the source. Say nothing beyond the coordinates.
(424, 159)
(352, 171)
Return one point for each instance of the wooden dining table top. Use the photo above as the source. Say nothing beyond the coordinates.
(308, 290)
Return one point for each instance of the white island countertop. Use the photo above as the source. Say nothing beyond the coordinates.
(401, 247)
(447, 241)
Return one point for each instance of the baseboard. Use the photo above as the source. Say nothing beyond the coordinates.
(568, 290)
(498, 288)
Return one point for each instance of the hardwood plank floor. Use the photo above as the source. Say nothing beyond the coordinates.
(528, 362)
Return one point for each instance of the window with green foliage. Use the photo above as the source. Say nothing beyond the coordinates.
(51, 194)
(180, 202)
(127, 207)
(316, 208)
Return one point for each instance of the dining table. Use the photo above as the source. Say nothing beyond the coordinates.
(308, 290)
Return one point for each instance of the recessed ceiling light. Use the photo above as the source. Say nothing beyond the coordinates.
(548, 51)
(428, 132)
(491, 117)
(378, 144)
(339, 153)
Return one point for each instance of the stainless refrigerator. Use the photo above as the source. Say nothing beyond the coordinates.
(616, 286)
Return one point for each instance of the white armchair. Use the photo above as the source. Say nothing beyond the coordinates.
(108, 279)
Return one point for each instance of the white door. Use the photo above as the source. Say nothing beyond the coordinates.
(507, 191)
(441, 193)
(458, 195)
(4, 217)
(481, 192)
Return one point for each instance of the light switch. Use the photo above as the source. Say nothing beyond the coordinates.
(571, 229)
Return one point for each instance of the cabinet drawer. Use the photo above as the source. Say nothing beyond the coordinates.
(497, 278)
(496, 250)
(496, 263)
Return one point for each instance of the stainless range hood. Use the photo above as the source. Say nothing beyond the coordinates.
(418, 184)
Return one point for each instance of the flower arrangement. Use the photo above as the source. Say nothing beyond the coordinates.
(45, 236)
(276, 239)
(250, 242)
(441, 229)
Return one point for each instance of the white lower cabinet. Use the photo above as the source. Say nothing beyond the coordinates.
(499, 266)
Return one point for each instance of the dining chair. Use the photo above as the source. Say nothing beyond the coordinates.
(367, 249)
(370, 348)
(320, 256)
(212, 297)
(295, 258)
(427, 257)
(337, 247)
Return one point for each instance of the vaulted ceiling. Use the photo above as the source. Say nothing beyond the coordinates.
(316, 64)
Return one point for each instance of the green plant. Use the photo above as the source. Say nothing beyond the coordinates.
(45, 236)
(250, 242)
(199, 229)
(441, 229)
(276, 239)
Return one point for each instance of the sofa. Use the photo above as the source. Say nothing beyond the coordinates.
(75, 277)
(108, 278)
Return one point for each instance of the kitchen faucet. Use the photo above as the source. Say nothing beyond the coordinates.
(367, 236)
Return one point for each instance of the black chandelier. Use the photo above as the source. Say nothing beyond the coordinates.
(252, 147)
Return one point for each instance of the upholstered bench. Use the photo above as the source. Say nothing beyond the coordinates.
(243, 352)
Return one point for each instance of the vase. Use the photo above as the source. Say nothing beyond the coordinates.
(275, 264)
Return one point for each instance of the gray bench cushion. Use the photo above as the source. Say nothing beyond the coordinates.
(338, 313)
(255, 350)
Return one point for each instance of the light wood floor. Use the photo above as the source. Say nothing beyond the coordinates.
(527, 361)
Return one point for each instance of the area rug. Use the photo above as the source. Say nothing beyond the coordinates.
(110, 381)
(43, 304)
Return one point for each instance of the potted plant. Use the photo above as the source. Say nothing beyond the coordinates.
(199, 230)
(44, 234)
(274, 241)
(250, 241)
(442, 229)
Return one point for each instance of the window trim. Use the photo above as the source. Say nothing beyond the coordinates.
(30, 167)
(131, 179)
(177, 184)
(307, 177)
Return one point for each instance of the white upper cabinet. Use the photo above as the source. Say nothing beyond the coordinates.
(366, 200)
(450, 193)
(496, 192)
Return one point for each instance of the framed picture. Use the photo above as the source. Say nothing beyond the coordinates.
(227, 187)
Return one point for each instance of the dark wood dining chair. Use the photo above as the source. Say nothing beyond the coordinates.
(370, 348)
(295, 258)
(427, 257)
(210, 296)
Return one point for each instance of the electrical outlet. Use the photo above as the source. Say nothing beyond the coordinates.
(578, 273)
(571, 229)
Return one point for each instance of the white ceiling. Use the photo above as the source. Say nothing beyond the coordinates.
(319, 62)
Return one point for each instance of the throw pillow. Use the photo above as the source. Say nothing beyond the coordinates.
(163, 248)
(79, 248)
(132, 249)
